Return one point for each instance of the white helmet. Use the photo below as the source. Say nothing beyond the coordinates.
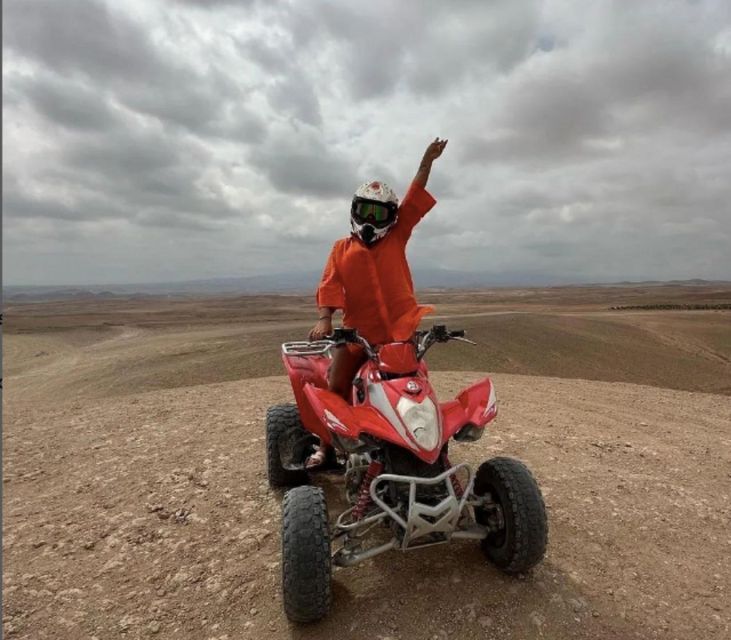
(373, 212)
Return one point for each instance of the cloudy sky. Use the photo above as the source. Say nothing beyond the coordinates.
(149, 141)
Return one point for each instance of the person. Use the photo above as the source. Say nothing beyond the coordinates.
(367, 275)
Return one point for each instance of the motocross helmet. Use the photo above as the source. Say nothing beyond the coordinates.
(373, 212)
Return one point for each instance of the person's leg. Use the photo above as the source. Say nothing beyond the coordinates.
(345, 364)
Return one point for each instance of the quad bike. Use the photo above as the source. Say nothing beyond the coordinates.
(392, 443)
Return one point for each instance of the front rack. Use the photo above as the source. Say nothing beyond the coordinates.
(304, 348)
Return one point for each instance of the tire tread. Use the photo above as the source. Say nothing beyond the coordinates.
(306, 562)
(280, 419)
(527, 512)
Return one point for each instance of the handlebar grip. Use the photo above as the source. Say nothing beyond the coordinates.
(341, 334)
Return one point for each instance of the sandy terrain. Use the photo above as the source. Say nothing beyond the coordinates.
(137, 514)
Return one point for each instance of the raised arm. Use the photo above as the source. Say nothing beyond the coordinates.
(433, 151)
(418, 201)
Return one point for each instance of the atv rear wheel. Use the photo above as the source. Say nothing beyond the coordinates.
(283, 431)
(306, 563)
(518, 541)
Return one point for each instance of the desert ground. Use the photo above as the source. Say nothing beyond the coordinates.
(135, 502)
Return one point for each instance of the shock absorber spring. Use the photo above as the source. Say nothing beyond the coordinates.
(364, 493)
(456, 484)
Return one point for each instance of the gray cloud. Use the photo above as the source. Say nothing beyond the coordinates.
(104, 47)
(289, 89)
(215, 4)
(82, 36)
(70, 104)
(122, 156)
(303, 164)
(476, 45)
(157, 177)
(642, 74)
(224, 138)
(295, 95)
(427, 47)
(370, 48)
(269, 57)
(21, 203)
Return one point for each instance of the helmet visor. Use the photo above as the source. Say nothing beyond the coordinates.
(375, 213)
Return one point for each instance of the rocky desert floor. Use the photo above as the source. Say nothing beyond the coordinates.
(146, 514)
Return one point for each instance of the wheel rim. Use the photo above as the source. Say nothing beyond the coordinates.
(295, 448)
(494, 518)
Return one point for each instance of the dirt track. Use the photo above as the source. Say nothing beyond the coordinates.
(148, 515)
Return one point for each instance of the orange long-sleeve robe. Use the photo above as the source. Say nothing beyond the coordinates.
(373, 286)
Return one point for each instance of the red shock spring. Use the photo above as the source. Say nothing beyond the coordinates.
(364, 493)
(456, 484)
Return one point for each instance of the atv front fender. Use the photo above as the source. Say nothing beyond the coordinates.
(475, 405)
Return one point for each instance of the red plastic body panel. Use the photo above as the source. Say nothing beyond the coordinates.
(474, 405)
(351, 421)
(395, 390)
(398, 357)
(308, 370)
(323, 411)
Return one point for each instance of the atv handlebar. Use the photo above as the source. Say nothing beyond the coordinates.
(341, 335)
(438, 333)
(424, 339)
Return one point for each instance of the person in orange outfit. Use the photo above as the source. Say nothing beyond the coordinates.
(368, 277)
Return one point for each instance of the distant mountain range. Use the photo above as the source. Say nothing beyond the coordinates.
(306, 282)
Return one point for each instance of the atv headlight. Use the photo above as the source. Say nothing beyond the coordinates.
(421, 420)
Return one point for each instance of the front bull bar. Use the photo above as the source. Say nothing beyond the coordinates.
(422, 520)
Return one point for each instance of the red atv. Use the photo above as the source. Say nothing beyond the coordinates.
(392, 444)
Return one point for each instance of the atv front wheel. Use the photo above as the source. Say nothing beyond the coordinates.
(284, 431)
(306, 566)
(519, 525)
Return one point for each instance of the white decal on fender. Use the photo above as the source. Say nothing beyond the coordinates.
(490, 408)
(333, 422)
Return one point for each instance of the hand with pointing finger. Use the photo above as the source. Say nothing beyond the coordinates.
(434, 150)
